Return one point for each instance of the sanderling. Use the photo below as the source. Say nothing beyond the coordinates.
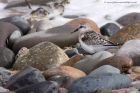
(92, 41)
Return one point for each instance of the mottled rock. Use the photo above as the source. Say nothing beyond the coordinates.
(104, 69)
(129, 18)
(132, 31)
(42, 87)
(86, 21)
(100, 83)
(131, 49)
(42, 56)
(26, 77)
(109, 29)
(6, 58)
(88, 63)
(20, 22)
(123, 63)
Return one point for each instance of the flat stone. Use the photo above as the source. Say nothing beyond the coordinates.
(123, 63)
(100, 83)
(104, 69)
(90, 62)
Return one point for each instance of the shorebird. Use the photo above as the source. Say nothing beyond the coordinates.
(92, 41)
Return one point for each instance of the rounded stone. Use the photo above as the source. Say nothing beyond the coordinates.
(6, 58)
(129, 18)
(4, 76)
(18, 21)
(100, 83)
(25, 77)
(90, 23)
(135, 70)
(6, 29)
(88, 63)
(104, 69)
(42, 56)
(129, 32)
(42, 87)
(123, 63)
(64, 71)
(109, 29)
(71, 52)
(131, 49)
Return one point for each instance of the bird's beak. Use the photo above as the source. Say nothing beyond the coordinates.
(77, 29)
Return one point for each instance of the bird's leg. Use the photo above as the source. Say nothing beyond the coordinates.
(29, 5)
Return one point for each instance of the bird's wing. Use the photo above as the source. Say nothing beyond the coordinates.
(93, 38)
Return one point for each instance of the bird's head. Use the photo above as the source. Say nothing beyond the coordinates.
(82, 28)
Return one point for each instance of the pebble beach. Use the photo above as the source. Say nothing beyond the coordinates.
(41, 52)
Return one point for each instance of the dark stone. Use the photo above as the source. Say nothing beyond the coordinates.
(43, 87)
(4, 76)
(72, 52)
(96, 84)
(129, 18)
(6, 29)
(20, 22)
(109, 29)
(26, 77)
(6, 57)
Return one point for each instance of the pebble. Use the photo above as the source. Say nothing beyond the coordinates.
(131, 49)
(73, 60)
(6, 30)
(6, 58)
(42, 56)
(88, 63)
(18, 21)
(109, 29)
(129, 18)
(25, 77)
(123, 63)
(72, 52)
(104, 69)
(42, 87)
(129, 32)
(64, 71)
(100, 83)
(4, 76)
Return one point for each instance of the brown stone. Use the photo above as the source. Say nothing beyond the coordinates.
(129, 32)
(121, 62)
(63, 90)
(64, 71)
(78, 21)
(73, 60)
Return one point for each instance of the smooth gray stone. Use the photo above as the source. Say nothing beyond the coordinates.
(6, 57)
(26, 77)
(104, 69)
(18, 21)
(96, 84)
